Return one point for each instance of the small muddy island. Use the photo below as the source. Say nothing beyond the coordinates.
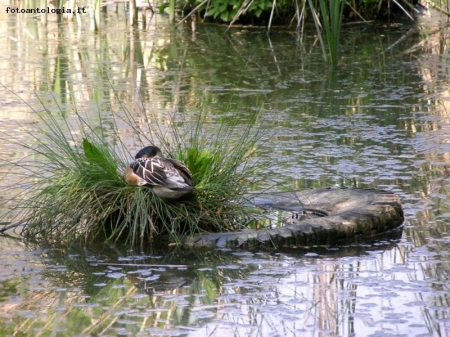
(318, 217)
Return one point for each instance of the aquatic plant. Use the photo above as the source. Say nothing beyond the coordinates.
(76, 189)
(331, 13)
(332, 17)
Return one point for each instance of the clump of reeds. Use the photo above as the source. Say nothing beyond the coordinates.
(76, 189)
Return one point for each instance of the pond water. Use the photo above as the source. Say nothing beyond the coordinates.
(380, 120)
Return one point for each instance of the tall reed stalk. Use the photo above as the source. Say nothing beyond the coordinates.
(94, 13)
(331, 11)
(172, 10)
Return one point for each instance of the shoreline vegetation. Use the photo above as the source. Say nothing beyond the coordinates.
(240, 12)
(326, 15)
(73, 170)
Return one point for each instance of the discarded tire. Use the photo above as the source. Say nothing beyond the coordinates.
(348, 216)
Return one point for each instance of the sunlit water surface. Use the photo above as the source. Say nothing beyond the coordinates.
(380, 120)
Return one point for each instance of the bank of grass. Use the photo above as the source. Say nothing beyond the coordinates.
(76, 191)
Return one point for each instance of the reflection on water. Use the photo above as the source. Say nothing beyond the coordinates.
(384, 289)
(380, 120)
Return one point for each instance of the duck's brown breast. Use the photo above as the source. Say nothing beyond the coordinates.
(130, 177)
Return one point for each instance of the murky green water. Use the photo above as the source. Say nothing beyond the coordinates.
(381, 120)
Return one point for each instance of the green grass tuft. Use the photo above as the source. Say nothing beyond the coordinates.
(77, 193)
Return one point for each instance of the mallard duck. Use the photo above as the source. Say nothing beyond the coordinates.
(170, 179)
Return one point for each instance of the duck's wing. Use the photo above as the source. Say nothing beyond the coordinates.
(183, 171)
(150, 170)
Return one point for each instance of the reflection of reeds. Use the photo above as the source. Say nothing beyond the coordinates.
(76, 189)
(101, 303)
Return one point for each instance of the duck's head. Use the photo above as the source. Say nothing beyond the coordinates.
(149, 152)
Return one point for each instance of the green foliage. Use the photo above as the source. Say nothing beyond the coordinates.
(258, 11)
(199, 162)
(224, 10)
(331, 11)
(229, 10)
(99, 159)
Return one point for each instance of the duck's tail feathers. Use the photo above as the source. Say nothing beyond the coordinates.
(185, 189)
